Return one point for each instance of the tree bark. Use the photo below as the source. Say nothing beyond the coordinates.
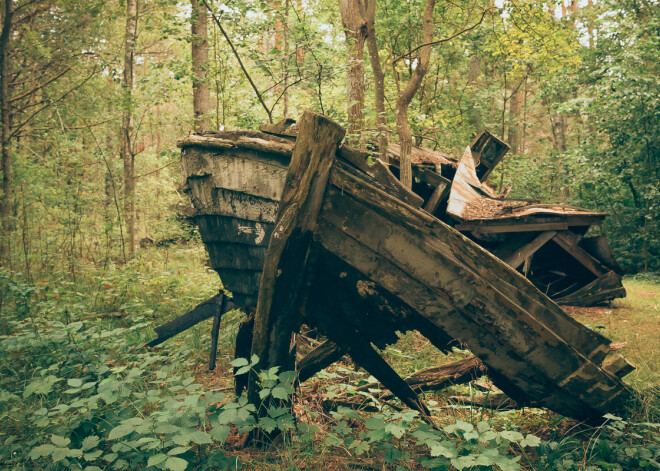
(379, 80)
(514, 121)
(355, 28)
(5, 109)
(200, 58)
(407, 94)
(127, 154)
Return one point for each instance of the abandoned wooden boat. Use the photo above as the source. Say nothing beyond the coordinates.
(235, 182)
(354, 255)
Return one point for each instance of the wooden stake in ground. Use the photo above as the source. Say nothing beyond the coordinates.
(313, 156)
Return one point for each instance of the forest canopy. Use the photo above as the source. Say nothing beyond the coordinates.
(94, 95)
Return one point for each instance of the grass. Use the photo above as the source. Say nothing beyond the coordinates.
(162, 283)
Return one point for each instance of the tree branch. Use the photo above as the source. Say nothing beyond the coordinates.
(444, 40)
(37, 87)
(240, 62)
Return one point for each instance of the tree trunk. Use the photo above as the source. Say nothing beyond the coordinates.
(5, 109)
(200, 58)
(127, 154)
(407, 94)
(474, 69)
(355, 28)
(379, 80)
(514, 121)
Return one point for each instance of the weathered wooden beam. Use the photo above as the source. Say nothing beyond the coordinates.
(568, 243)
(529, 249)
(319, 358)
(570, 221)
(513, 226)
(618, 366)
(380, 173)
(439, 195)
(439, 377)
(496, 401)
(215, 330)
(602, 289)
(275, 318)
(475, 299)
(184, 322)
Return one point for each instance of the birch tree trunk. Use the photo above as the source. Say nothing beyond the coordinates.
(127, 154)
(200, 58)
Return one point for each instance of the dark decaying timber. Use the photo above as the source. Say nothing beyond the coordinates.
(419, 266)
(214, 307)
(282, 276)
(336, 242)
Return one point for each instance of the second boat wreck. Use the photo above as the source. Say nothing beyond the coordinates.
(355, 255)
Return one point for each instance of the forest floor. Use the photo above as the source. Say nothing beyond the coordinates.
(78, 390)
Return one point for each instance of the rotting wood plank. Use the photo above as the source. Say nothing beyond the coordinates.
(529, 249)
(359, 348)
(201, 312)
(600, 288)
(215, 330)
(570, 221)
(446, 241)
(566, 242)
(319, 358)
(439, 377)
(275, 318)
(515, 227)
(380, 173)
(512, 244)
(439, 195)
(491, 312)
(618, 366)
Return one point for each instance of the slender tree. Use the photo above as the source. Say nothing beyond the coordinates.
(200, 59)
(5, 137)
(355, 28)
(127, 154)
(405, 96)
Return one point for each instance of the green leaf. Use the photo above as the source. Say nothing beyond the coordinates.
(395, 429)
(59, 454)
(279, 393)
(75, 382)
(41, 450)
(267, 424)
(220, 433)
(90, 442)
(176, 464)
(264, 393)
(178, 450)
(200, 437)
(60, 441)
(92, 455)
(155, 460)
(242, 371)
(238, 362)
(120, 431)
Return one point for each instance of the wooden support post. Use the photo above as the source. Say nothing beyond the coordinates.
(215, 330)
(530, 249)
(440, 193)
(200, 313)
(321, 357)
(568, 243)
(284, 268)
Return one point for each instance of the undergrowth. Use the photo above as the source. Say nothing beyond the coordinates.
(78, 390)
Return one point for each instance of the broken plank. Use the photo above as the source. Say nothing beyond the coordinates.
(513, 226)
(529, 249)
(318, 359)
(606, 283)
(618, 366)
(184, 322)
(439, 377)
(439, 195)
(567, 242)
(275, 318)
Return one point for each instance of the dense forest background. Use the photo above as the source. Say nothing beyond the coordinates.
(95, 94)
